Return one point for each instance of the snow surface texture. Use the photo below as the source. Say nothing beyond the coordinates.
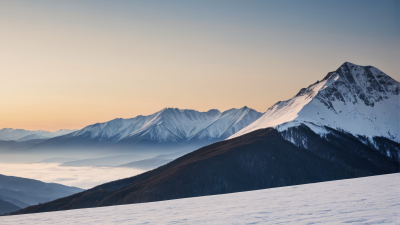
(361, 100)
(172, 124)
(9, 134)
(368, 200)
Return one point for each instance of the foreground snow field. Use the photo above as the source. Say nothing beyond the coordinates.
(369, 200)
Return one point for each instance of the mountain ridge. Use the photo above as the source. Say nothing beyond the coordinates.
(23, 192)
(10, 134)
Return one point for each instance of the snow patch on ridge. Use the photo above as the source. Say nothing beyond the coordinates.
(321, 131)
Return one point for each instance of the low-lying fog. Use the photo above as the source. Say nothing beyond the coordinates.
(82, 177)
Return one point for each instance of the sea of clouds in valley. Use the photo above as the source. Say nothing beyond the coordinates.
(82, 177)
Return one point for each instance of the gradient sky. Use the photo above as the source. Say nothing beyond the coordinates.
(68, 64)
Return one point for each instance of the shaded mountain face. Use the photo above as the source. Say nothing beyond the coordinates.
(10, 146)
(23, 192)
(169, 128)
(9, 134)
(37, 188)
(7, 207)
(31, 137)
(361, 100)
(154, 162)
(257, 160)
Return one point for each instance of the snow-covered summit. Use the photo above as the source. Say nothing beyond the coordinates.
(172, 124)
(361, 100)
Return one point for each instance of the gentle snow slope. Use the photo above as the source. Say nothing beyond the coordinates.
(368, 200)
(361, 100)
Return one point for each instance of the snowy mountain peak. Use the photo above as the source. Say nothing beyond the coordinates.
(361, 100)
(360, 83)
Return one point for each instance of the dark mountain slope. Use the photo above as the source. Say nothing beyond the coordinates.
(22, 192)
(36, 188)
(7, 207)
(257, 160)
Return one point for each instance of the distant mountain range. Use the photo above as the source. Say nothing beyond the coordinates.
(124, 141)
(9, 134)
(344, 126)
(171, 125)
(17, 193)
(166, 131)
